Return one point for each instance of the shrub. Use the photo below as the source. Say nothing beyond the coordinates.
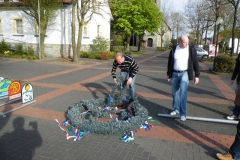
(23, 56)
(104, 55)
(8, 53)
(92, 56)
(161, 49)
(118, 49)
(30, 50)
(84, 54)
(224, 64)
(19, 49)
(4, 46)
(100, 44)
(111, 55)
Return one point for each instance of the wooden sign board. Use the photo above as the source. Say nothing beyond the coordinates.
(4, 85)
(27, 93)
(14, 90)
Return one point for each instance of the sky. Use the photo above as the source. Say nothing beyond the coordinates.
(177, 5)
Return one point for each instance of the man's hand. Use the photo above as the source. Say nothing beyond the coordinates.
(231, 82)
(115, 80)
(196, 80)
(168, 79)
(129, 82)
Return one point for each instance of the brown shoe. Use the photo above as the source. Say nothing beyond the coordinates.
(226, 156)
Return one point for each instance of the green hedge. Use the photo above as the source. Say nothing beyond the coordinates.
(224, 64)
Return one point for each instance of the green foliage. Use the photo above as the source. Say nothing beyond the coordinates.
(135, 16)
(224, 64)
(23, 56)
(161, 49)
(100, 44)
(49, 10)
(32, 57)
(4, 46)
(132, 52)
(30, 50)
(92, 56)
(19, 49)
(118, 49)
(8, 53)
(84, 54)
(173, 42)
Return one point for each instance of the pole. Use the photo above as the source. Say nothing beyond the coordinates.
(214, 62)
(201, 119)
(39, 43)
(218, 27)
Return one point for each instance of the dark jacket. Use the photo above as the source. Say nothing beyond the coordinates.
(236, 70)
(192, 63)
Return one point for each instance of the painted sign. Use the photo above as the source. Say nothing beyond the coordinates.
(4, 84)
(14, 90)
(27, 93)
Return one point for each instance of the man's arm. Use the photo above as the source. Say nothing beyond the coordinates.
(195, 63)
(236, 68)
(114, 68)
(134, 68)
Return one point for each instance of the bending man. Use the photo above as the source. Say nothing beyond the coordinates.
(129, 68)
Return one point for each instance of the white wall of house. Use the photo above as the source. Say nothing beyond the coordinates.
(58, 36)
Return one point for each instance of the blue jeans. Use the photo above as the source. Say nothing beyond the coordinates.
(236, 109)
(180, 83)
(131, 93)
(235, 148)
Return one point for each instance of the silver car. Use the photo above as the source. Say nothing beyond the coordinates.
(201, 53)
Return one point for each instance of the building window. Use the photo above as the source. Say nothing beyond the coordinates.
(18, 26)
(98, 30)
(1, 27)
(85, 30)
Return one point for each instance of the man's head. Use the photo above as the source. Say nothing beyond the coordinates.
(183, 41)
(119, 57)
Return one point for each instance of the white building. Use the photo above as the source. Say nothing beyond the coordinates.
(17, 27)
(155, 40)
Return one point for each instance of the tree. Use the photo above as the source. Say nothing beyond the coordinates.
(162, 30)
(235, 4)
(48, 13)
(82, 13)
(135, 16)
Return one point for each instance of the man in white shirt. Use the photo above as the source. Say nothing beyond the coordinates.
(182, 61)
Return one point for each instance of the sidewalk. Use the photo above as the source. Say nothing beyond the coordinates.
(32, 133)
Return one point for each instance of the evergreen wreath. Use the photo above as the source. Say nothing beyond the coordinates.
(131, 114)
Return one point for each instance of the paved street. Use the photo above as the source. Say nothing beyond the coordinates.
(32, 133)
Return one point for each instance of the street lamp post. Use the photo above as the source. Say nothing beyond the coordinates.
(219, 22)
(39, 38)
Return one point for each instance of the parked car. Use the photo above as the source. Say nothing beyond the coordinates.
(201, 53)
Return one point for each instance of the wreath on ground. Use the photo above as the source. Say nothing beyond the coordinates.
(130, 114)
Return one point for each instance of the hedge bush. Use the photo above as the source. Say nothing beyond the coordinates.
(224, 64)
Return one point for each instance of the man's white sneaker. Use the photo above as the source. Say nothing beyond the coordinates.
(183, 118)
(174, 112)
(232, 117)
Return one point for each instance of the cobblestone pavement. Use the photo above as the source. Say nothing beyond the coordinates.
(32, 133)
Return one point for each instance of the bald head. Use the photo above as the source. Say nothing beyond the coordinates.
(184, 41)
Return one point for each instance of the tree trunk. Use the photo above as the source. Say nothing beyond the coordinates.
(42, 38)
(127, 43)
(74, 48)
(161, 40)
